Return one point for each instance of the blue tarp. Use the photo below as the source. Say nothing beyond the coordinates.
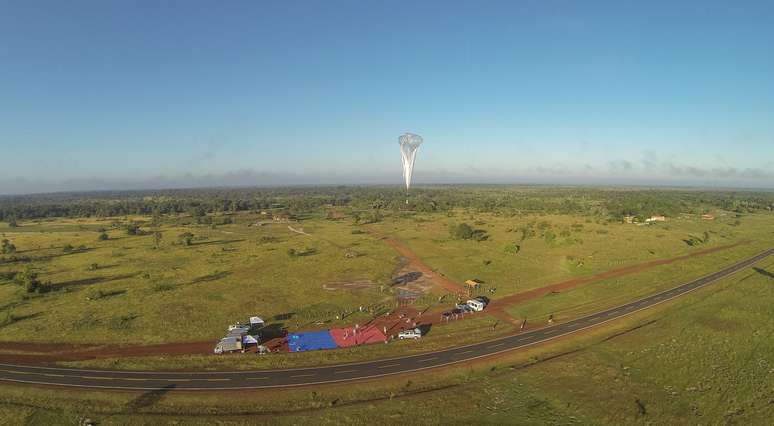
(310, 341)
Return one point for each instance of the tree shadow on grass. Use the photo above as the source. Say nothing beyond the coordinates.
(205, 243)
(94, 280)
(106, 294)
(764, 272)
(54, 256)
(13, 319)
(211, 277)
(149, 398)
(406, 278)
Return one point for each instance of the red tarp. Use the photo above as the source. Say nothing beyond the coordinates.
(345, 337)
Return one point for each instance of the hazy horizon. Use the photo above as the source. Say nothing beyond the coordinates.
(112, 96)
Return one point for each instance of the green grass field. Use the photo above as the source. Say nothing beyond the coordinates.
(705, 358)
(125, 290)
(580, 246)
(139, 294)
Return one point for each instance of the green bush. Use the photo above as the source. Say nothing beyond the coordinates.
(159, 287)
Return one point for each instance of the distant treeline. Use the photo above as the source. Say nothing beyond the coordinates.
(600, 202)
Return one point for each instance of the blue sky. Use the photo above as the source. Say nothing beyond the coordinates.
(102, 95)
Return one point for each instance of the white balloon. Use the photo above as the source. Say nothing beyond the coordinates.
(409, 144)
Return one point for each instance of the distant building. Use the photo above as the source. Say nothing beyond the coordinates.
(655, 219)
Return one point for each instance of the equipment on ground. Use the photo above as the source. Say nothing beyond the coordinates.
(229, 344)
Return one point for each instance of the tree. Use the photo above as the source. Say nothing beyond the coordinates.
(67, 248)
(12, 222)
(103, 236)
(186, 238)
(133, 229)
(28, 279)
(8, 247)
(464, 231)
(156, 239)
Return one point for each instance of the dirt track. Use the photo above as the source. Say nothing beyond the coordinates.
(45, 353)
(414, 260)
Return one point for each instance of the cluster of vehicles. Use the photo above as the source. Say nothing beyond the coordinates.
(239, 336)
(476, 304)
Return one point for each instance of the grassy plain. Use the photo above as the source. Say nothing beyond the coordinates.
(706, 358)
(140, 294)
(580, 246)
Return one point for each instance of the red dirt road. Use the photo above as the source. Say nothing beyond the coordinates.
(43, 353)
(440, 279)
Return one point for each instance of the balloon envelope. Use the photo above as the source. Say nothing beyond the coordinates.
(409, 144)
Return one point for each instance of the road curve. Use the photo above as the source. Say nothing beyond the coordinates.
(343, 372)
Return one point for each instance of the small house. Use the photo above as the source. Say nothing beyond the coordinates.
(473, 284)
(655, 219)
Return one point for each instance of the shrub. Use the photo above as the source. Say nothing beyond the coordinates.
(186, 238)
(133, 229)
(122, 322)
(159, 287)
(8, 247)
(463, 231)
(266, 239)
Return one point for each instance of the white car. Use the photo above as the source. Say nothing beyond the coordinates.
(410, 334)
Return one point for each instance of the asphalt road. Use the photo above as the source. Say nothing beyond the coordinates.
(343, 372)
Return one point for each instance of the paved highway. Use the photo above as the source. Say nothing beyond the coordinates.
(343, 372)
